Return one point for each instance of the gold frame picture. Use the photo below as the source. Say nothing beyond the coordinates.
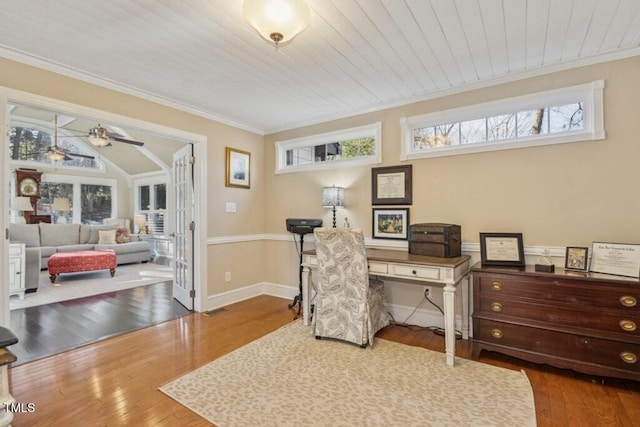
(238, 168)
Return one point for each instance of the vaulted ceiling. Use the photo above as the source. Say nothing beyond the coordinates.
(357, 55)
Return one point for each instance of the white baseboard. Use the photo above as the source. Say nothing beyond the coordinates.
(251, 291)
(400, 313)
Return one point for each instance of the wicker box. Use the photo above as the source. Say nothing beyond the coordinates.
(435, 239)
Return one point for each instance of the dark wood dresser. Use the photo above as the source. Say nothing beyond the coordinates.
(587, 322)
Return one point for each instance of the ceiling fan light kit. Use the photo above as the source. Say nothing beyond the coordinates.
(98, 136)
(277, 21)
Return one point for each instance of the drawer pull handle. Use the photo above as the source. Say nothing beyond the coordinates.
(496, 333)
(628, 357)
(496, 306)
(496, 286)
(628, 325)
(414, 272)
(628, 301)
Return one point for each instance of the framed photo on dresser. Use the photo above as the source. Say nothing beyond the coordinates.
(576, 258)
(615, 258)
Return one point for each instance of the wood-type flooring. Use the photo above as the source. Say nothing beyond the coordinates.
(115, 381)
(53, 328)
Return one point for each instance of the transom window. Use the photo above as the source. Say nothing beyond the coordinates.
(564, 115)
(347, 147)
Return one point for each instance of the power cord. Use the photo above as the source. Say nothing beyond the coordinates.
(436, 329)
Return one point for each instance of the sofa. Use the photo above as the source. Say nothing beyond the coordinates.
(43, 240)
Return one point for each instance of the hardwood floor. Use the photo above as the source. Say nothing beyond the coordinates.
(115, 381)
(53, 328)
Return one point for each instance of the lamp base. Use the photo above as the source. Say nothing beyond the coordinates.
(20, 220)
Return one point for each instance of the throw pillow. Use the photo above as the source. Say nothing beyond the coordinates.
(106, 237)
(122, 235)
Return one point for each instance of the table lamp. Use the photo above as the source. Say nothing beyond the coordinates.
(22, 205)
(61, 205)
(333, 197)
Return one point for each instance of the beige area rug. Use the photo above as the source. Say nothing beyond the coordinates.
(78, 285)
(288, 378)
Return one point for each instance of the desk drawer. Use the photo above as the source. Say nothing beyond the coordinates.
(416, 272)
(378, 268)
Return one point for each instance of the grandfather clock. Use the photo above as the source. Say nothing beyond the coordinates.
(28, 185)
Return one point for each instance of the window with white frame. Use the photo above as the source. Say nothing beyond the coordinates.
(342, 148)
(552, 117)
(90, 200)
(151, 202)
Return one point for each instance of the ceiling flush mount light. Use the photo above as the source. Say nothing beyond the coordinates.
(278, 21)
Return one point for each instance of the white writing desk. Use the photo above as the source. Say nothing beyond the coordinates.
(403, 266)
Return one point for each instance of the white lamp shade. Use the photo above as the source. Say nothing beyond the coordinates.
(139, 220)
(277, 21)
(21, 204)
(61, 204)
(332, 197)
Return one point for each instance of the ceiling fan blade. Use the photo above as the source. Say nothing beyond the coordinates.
(127, 141)
(80, 155)
(66, 157)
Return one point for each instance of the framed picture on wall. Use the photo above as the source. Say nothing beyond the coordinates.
(391, 185)
(238, 168)
(389, 223)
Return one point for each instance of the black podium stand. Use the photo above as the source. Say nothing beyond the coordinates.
(301, 227)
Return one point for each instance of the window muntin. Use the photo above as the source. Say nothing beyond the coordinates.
(334, 149)
(564, 115)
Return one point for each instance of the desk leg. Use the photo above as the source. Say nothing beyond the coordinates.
(306, 301)
(449, 297)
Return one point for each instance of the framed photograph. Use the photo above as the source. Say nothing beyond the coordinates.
(506, 249)
(391, 185)
(238, 170)
(390, 224)
(576, 258)
(615, 258)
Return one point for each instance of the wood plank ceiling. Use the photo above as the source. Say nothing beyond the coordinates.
(357, 55)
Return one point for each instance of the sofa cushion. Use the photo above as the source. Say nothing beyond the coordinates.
(74, 248)
(59, 234)
(106, 237)
(85, 233)
(122, 235)
(126, 248)
(29, 234)
(47, 251)
(93, 238)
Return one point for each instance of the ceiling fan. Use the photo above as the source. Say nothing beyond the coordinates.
(57, 153)
(101, 137)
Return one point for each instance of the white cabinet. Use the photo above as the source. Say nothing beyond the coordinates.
(17, 269)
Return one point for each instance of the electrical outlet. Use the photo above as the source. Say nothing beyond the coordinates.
(227, 276)
(427, 291)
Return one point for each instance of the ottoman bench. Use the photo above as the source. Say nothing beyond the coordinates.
(73, 262)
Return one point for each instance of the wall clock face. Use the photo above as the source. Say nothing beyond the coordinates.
(28, 187)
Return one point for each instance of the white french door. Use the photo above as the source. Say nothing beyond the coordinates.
(182, 181)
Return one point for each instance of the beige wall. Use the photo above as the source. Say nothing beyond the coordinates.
(569, 194)
(561, 195)
(250, 203)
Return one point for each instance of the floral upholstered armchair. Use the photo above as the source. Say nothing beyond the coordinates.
(349, 305)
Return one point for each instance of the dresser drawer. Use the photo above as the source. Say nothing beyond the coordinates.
(562, 290)
(553, 344)
(626, 324)
(416, 271)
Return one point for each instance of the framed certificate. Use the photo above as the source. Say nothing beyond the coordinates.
(615, 258)
(506, 249)
(391, 185)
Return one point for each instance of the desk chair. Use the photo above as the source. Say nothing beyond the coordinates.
(349, 305)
